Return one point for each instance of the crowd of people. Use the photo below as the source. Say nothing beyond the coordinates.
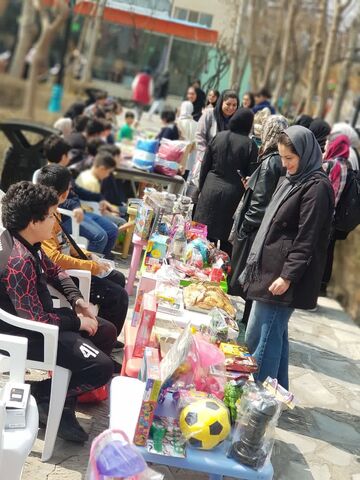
(267, 190)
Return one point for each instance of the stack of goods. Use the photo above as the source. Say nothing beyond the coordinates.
(169, 156)
(144, 154)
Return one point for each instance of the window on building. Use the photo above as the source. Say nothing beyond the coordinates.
(193, 16)
(205, 19)
(180, 13)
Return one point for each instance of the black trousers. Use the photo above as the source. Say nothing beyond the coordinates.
(87, 357)
(112, 298)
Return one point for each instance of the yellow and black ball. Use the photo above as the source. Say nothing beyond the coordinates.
(205, 423)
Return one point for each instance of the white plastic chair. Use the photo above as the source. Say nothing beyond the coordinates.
(15, 445)
(60, 376)
(75, 228)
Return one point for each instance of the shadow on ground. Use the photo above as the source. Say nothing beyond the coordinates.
(324, 361)
(340, 429)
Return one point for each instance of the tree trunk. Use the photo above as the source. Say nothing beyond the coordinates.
(252, 45)
(48, 33)
(270, 59)
(238, 36)
(87, 74)
(25, 37)
(3, 6)
(285, 51)
(315, 51)
(331, 39)
(345, 72)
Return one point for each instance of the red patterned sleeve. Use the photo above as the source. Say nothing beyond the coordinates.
(21, 288)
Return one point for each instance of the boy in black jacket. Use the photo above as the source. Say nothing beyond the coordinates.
(85, 341)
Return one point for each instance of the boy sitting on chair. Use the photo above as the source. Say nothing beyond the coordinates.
(107, 292)
(85, 341)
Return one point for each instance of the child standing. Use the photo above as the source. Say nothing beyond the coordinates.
(126, 132)
(169, 129)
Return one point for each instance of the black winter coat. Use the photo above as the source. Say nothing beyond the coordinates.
(296, 245)
(261, 187)
(220, 184)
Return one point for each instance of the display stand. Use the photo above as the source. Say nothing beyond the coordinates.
(127, 391)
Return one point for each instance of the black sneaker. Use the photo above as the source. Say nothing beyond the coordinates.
(70, 429)
(43, 409)
(118, 345)
(117, 367)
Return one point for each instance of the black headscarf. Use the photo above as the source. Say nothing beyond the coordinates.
(304, 120)
(199, 103)
(321, 130)
(219, 116)
(242, 121)
(76, 109)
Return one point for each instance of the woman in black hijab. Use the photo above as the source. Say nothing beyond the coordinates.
(227, 158)
(321, 130)
(303, 120)
(197, 97)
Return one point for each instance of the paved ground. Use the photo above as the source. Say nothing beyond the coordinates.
(319, 440)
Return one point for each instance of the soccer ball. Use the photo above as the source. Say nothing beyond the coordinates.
(205, 423)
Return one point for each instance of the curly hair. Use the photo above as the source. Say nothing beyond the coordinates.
(25, 202)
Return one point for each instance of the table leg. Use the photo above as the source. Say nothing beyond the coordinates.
(128, 238)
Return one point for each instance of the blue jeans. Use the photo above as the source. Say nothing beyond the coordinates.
(100, 231)
(267, 339)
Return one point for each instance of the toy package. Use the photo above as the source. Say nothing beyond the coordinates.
(166, 438)
(169, 298)
(196, 230)
(112, 455)
(143, 221)
(137, 308)
(150, 373)
(222, 327)
(238, 358)
(253, 437)
(156, 249)
(166, 337)
(187, 364)
(146, 322)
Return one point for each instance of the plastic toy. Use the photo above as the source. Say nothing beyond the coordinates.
(205, 423)
(158, 432)
(232, 393)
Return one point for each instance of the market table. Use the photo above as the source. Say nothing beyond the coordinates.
(174, 184)
(125, 401)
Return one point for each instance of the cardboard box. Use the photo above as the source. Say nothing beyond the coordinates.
(16, 398)
(146, 322)
(150, 373)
